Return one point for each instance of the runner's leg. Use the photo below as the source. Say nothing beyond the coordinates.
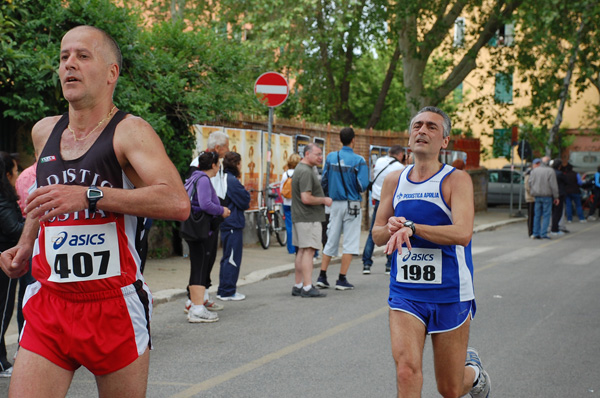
(34, 376)
(449, 353)
(129, 382)
(408, 339)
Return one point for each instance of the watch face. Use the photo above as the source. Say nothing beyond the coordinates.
(94, 194)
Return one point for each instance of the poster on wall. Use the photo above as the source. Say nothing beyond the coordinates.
(236, 141)
(375, 152)
(266, 156)
(286, 148)
(320, 142)
(251, 164)
(300, 141)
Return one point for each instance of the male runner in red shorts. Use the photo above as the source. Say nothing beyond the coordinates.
(90, 305)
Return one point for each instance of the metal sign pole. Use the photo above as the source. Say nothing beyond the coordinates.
(269, 151)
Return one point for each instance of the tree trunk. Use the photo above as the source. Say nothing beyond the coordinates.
(385, 88)
(564, 92)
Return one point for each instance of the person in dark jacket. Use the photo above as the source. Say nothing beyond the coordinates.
(11, 226)
(557, 209)
(237, 200)
(573, 193)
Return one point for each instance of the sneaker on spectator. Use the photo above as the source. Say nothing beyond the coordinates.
(313, 292)
(235, 297)
(559, 233)
(366, 269)
(343, 285)
(583, 221)
(6, 373)
(212, 306)
(534, 237)
(199, 314)
(322, 282)
(591, 218)
(296, 291)
(388, 269)
(482, 387)
(209, 304)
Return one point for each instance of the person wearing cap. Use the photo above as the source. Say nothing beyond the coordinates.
(543, 186)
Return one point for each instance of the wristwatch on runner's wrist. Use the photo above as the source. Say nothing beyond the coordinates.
(93, 194)
(410, 225)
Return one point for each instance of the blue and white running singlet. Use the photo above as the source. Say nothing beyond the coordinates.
(429, 272)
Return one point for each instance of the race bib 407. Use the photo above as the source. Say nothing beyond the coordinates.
(82, 253)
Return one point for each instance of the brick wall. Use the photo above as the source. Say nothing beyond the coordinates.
(364, 137)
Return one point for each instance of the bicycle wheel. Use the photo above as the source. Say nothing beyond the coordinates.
(262, 229)
(279, 228)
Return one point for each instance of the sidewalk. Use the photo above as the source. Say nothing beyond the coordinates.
(168, 278)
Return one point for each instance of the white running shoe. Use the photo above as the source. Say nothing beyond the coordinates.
(236, 297)
(482, 387)
(209, 304)
(199, 314)
(6, 373)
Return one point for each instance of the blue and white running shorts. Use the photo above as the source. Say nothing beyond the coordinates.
(437, 317)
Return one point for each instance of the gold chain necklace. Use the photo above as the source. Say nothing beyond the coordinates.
(95, 128)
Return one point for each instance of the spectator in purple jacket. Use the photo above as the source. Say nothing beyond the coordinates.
(202, 258)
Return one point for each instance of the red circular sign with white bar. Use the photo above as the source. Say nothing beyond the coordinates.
(271, 89)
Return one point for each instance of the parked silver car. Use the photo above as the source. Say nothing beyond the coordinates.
(499, 187)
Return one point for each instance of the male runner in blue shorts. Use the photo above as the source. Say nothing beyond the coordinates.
(425, 219)
(100, 172)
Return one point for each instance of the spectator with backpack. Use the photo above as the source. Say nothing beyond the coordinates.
(286, 194)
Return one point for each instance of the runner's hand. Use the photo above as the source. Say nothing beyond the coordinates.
(15, 261)
(52, 201)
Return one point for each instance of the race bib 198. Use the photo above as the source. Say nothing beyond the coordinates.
(420, 266)
(78, 253)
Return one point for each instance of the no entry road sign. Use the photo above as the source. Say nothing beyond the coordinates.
(271, 89)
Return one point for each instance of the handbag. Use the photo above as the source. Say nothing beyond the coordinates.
(198, 225)
(353, 205)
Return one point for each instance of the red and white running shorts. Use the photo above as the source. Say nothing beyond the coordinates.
(102, 331)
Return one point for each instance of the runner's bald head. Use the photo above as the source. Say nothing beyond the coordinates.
(113, 52)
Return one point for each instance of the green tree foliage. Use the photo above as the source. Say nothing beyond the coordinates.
(402, 50)
(172, 76)
(559, 40)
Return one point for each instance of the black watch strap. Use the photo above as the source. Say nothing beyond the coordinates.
(410, 225)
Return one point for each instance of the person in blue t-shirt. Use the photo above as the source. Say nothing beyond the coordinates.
(345, 176)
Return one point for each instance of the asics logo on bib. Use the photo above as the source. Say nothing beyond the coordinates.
(418, 257)
(77, 240)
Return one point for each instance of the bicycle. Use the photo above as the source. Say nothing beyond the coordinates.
(269, 218)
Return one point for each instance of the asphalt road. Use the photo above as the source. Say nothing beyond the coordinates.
(537, 329)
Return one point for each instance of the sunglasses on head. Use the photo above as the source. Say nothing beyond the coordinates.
(215, 156)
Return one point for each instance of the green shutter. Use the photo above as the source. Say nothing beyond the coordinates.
(504, 88)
